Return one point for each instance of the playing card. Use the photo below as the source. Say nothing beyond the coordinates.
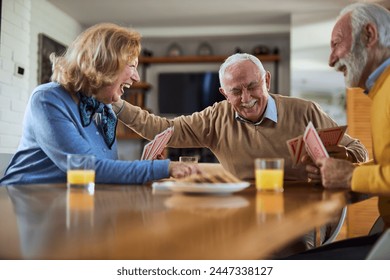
(314, 146)
(146, 150)
(293, 147)
(301, 150)
(332, 136)
(157, 145)
(329, 137)
(161, 141)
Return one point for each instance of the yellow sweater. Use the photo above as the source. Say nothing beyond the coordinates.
(374, 178)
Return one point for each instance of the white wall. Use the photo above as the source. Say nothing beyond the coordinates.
(15, 50)
(21, 22)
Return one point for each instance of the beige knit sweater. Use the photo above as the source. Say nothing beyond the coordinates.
(236, 144)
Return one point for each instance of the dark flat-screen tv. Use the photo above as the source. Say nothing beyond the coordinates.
(185, 93)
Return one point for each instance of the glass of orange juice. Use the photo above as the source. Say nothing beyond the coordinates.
(81, 171)
(269, 174)
(188, 159)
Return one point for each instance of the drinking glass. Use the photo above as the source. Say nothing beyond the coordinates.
(81, 171)
(269, 173)
(188, 159)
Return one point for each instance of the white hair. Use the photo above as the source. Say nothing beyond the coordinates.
(236, 58)
(364, 13)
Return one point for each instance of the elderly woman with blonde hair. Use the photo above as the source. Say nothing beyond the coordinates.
(73, 114)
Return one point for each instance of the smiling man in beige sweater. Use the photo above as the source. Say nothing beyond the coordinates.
(249, 124)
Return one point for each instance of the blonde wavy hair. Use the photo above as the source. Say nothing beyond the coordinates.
(95, 58)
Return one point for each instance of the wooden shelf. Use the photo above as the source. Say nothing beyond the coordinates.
(198, 59)
(148, 61)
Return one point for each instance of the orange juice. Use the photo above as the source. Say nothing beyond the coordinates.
(269, 179)
(81, 177)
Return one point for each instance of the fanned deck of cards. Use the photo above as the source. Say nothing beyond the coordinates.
(314, 142)
(157, 145)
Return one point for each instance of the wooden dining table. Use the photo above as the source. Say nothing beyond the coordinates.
(52, 221)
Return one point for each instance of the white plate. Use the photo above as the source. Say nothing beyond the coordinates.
(211, 188)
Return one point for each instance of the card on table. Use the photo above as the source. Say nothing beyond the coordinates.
(157, 145)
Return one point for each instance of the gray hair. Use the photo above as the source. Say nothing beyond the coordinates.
(237, 58)
(363, 13)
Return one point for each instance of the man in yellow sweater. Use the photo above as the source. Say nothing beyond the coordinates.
(360, 48)
(365, 63)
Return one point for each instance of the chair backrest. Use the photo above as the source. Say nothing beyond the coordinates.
(378, 226)
(335, 228)
(327, 233)
(381, 248)
(5, 158)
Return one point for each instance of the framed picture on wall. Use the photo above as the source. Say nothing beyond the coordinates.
(46, 46)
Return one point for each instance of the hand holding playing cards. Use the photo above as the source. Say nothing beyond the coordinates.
(313, 172)
(180, 169)
(316, 143)
(339, 152)
(336, 173)
(154, 149)
(160, 156)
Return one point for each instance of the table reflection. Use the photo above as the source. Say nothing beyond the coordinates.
(269, 205)
(194, 202)
(80, 205)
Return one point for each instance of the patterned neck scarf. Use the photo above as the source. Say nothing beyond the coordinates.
(88, 106)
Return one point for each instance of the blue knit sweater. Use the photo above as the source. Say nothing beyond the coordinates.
(52, 129)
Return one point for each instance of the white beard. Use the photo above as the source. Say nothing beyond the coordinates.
(355, 62)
